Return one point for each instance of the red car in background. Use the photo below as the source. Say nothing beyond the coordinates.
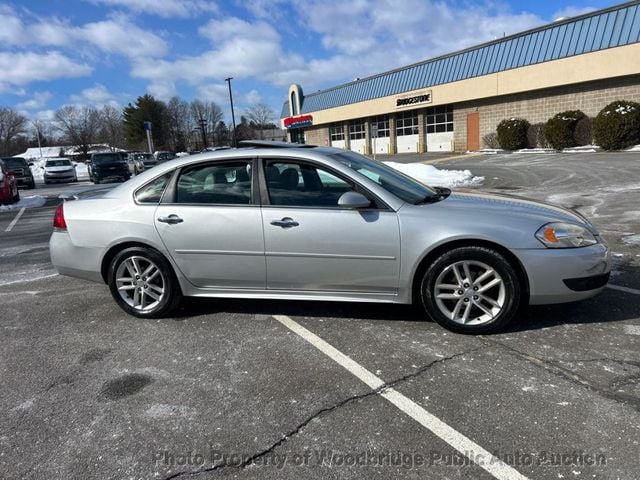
(8, 186)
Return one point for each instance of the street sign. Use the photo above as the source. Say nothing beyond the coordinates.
(147, 126)
(374, 130)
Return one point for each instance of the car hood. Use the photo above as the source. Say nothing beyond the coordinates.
(509, 206)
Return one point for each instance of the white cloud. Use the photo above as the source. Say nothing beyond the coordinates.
(37, 101)
(96, 96)
(120, 36)
(163, 8)
(253, 97)
(26, 67)
(572, 11)
(240, 49)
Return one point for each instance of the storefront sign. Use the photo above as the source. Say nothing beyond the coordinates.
(297, 122)
(424, 97)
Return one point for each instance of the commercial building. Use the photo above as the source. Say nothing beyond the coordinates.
(451, 102)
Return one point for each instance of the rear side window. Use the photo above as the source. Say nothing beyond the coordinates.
(216, 184)
(152, 191)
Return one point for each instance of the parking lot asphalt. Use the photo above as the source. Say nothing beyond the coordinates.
(289, 390)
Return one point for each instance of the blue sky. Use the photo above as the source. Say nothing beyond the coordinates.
(96, 52)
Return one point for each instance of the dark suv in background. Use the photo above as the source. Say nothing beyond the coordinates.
(108, 167)
(21, 171)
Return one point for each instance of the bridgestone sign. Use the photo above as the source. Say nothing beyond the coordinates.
(416, 99)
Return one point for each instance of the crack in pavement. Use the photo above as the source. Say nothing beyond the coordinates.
(320, 413)
(619, 397)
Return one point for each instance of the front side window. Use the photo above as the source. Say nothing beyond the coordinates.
(215, 183)
(303, 185)
(395, 182)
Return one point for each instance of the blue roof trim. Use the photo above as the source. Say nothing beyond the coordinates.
(611, 27)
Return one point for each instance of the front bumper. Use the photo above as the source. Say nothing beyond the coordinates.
(63, 177)
(565, 274)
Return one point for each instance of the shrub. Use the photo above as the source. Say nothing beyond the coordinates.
(583, 132)
(512, 133)
(535, 136)
(617, 126)
(560, 129)
(490, 140)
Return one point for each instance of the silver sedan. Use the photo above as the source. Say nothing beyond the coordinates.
(314, 223)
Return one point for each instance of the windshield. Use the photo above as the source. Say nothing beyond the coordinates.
(107, 158)
(397, 183)
(14, 162)
(144, 156)
(58, 163)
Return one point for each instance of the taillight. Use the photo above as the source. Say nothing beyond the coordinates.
(58, 218)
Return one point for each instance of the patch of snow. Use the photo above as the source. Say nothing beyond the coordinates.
(635, 148)
(536, 150)
(32, 201)
(582, 149)
(431, 175)
(491, 151)
(631, 239)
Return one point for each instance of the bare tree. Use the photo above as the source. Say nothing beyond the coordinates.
(208, 111)
(179, 124)
(260, 117)
(79, 125)
(12, 124)
(111, 130)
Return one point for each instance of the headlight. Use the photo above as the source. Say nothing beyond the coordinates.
(565, 235)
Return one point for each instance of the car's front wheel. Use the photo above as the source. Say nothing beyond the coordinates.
(471, 290)
(143, 284)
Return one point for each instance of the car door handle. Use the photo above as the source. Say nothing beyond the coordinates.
(171, 219)
(286, 222)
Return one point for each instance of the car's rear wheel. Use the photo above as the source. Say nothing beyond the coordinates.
(143, 283)
(471, 290)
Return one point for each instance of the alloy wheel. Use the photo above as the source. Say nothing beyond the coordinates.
(140, 283)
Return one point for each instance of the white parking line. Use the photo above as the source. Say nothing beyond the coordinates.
(457, 440)
(15, 220)
(624, 289)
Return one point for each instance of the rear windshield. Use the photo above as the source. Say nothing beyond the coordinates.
(14, 162)
(107, 158)
(58, 163)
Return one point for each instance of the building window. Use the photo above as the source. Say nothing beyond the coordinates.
(336, 132)
(382, 122)
(407, 123)
(357, 130)
(439, 119)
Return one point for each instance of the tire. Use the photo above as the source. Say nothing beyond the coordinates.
(96, 181)
(16, 197)
(32, 185)
(162, 284)
(446, 295)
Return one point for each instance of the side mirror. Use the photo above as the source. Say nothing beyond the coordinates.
(31, 164)
(353, 200)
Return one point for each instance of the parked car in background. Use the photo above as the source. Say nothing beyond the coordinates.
(21, 171)
(59, 170)
(163, 156)
(108, 167)
(135, 165)
(140, 161)
(8, 185)
(285, 221)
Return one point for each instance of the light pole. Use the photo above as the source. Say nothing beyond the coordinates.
(233, 116)
(203, 127)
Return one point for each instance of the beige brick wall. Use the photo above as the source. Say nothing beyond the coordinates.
(317, 135)
(539, 106)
